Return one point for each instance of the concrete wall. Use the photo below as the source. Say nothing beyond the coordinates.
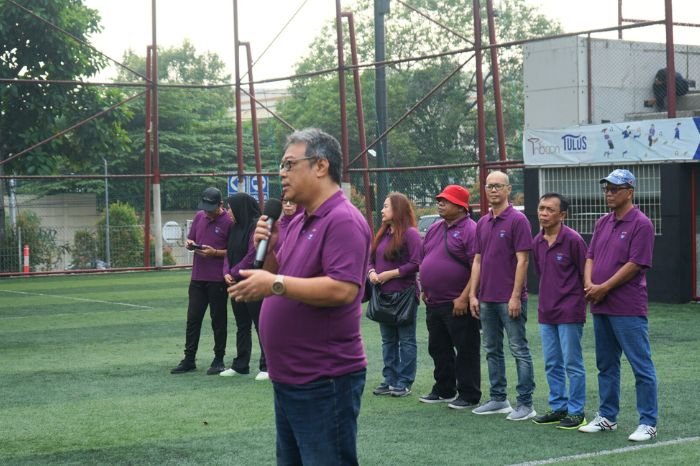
(622, 73)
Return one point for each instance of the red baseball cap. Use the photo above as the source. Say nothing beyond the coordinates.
(456, 195)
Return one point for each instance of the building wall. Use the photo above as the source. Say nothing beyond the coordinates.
(622, 73)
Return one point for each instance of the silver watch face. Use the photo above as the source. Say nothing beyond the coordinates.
(278, 286)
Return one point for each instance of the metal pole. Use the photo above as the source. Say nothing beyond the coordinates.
(156, 153)
(381, 8)
(13, 203)
(342, 97)
(670, 62)
(619, 19)
(147, 164)
(254, 122)
(359, 110)
(481, 124)
(239, 117)
(108, 250)
(495, 74)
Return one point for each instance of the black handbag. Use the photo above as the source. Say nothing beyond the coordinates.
(398, 308)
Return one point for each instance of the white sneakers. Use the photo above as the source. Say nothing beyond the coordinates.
(602, 424)
(262, 375)
(643, 433)
(598, 424)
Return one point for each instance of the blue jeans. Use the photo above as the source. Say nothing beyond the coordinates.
(561, 345)
(494, 319)
(399, 352)
(613, 335)
(317, 422)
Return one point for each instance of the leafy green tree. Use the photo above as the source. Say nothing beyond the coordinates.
(45, 250)
(125, 236)
(30, 113)
(442, 130)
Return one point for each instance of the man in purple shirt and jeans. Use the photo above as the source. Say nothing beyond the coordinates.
(559, 255)
(615, 283)
(310, 318)
(498, 296)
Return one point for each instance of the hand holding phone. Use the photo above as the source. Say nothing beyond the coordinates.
(193, 246)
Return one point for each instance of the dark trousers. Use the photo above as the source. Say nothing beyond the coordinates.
(203, 294)
(247, 315)
(454, 345)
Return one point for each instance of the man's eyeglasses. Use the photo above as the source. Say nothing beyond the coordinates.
(287, 165)
(613, 189)
(495, 186)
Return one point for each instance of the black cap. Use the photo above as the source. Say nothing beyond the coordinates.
(211, 199)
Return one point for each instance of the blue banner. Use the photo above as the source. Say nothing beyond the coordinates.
(635, 141)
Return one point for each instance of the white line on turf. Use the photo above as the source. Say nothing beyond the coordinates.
(595, 454)
(77, 299)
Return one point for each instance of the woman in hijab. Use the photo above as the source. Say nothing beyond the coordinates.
(240, 255)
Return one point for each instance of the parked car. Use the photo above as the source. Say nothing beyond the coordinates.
(425, 221)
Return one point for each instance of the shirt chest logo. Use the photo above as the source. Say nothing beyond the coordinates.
(217, 230)
(309, 236)
(559, 257)
(623, 234)
(456, 234)
(502, 234)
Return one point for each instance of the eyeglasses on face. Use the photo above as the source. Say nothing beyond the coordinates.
(495, 186)
(287, 165)
(613, 189)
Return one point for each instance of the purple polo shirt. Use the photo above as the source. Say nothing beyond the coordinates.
(614, 243)
(407, 262)
(213, 233)
(497, 240)
(560, 267)
(442, 277)
(304, 343)
(245, 263)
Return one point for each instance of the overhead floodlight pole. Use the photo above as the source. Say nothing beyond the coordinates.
(156, 148)
(381, 8)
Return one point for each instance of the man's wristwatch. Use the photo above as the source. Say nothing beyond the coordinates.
(278, 287)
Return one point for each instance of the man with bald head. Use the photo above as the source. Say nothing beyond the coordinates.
(498, 296)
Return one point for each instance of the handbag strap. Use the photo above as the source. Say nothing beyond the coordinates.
(451, 254)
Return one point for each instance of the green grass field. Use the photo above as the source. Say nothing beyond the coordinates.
(85, 379)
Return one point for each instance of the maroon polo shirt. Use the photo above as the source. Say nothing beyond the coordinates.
(407, 262)
(614, 243)
(498, 238)
(304, 343)
(442, 277)
(560, 267)
(212, 233)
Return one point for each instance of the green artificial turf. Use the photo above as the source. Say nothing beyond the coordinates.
(85, 379)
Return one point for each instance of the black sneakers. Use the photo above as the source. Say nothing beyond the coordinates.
(572, 421)
(550, 417)
(217, 366)
(433, 397)
(185, 365)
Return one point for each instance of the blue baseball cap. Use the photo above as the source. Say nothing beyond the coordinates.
(619, 177)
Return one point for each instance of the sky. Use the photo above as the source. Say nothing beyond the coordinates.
(208, 24)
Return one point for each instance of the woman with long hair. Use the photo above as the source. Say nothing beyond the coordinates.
(245, 212)
(394, 261)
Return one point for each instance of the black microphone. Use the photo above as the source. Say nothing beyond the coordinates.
(273, 210)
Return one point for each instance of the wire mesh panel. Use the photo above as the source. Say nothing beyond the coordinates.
(580, 185)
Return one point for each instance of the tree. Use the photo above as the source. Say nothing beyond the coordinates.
(443, 129)
(30, 113)
(197, 131)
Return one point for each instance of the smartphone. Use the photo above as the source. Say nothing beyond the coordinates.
(195, 246)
